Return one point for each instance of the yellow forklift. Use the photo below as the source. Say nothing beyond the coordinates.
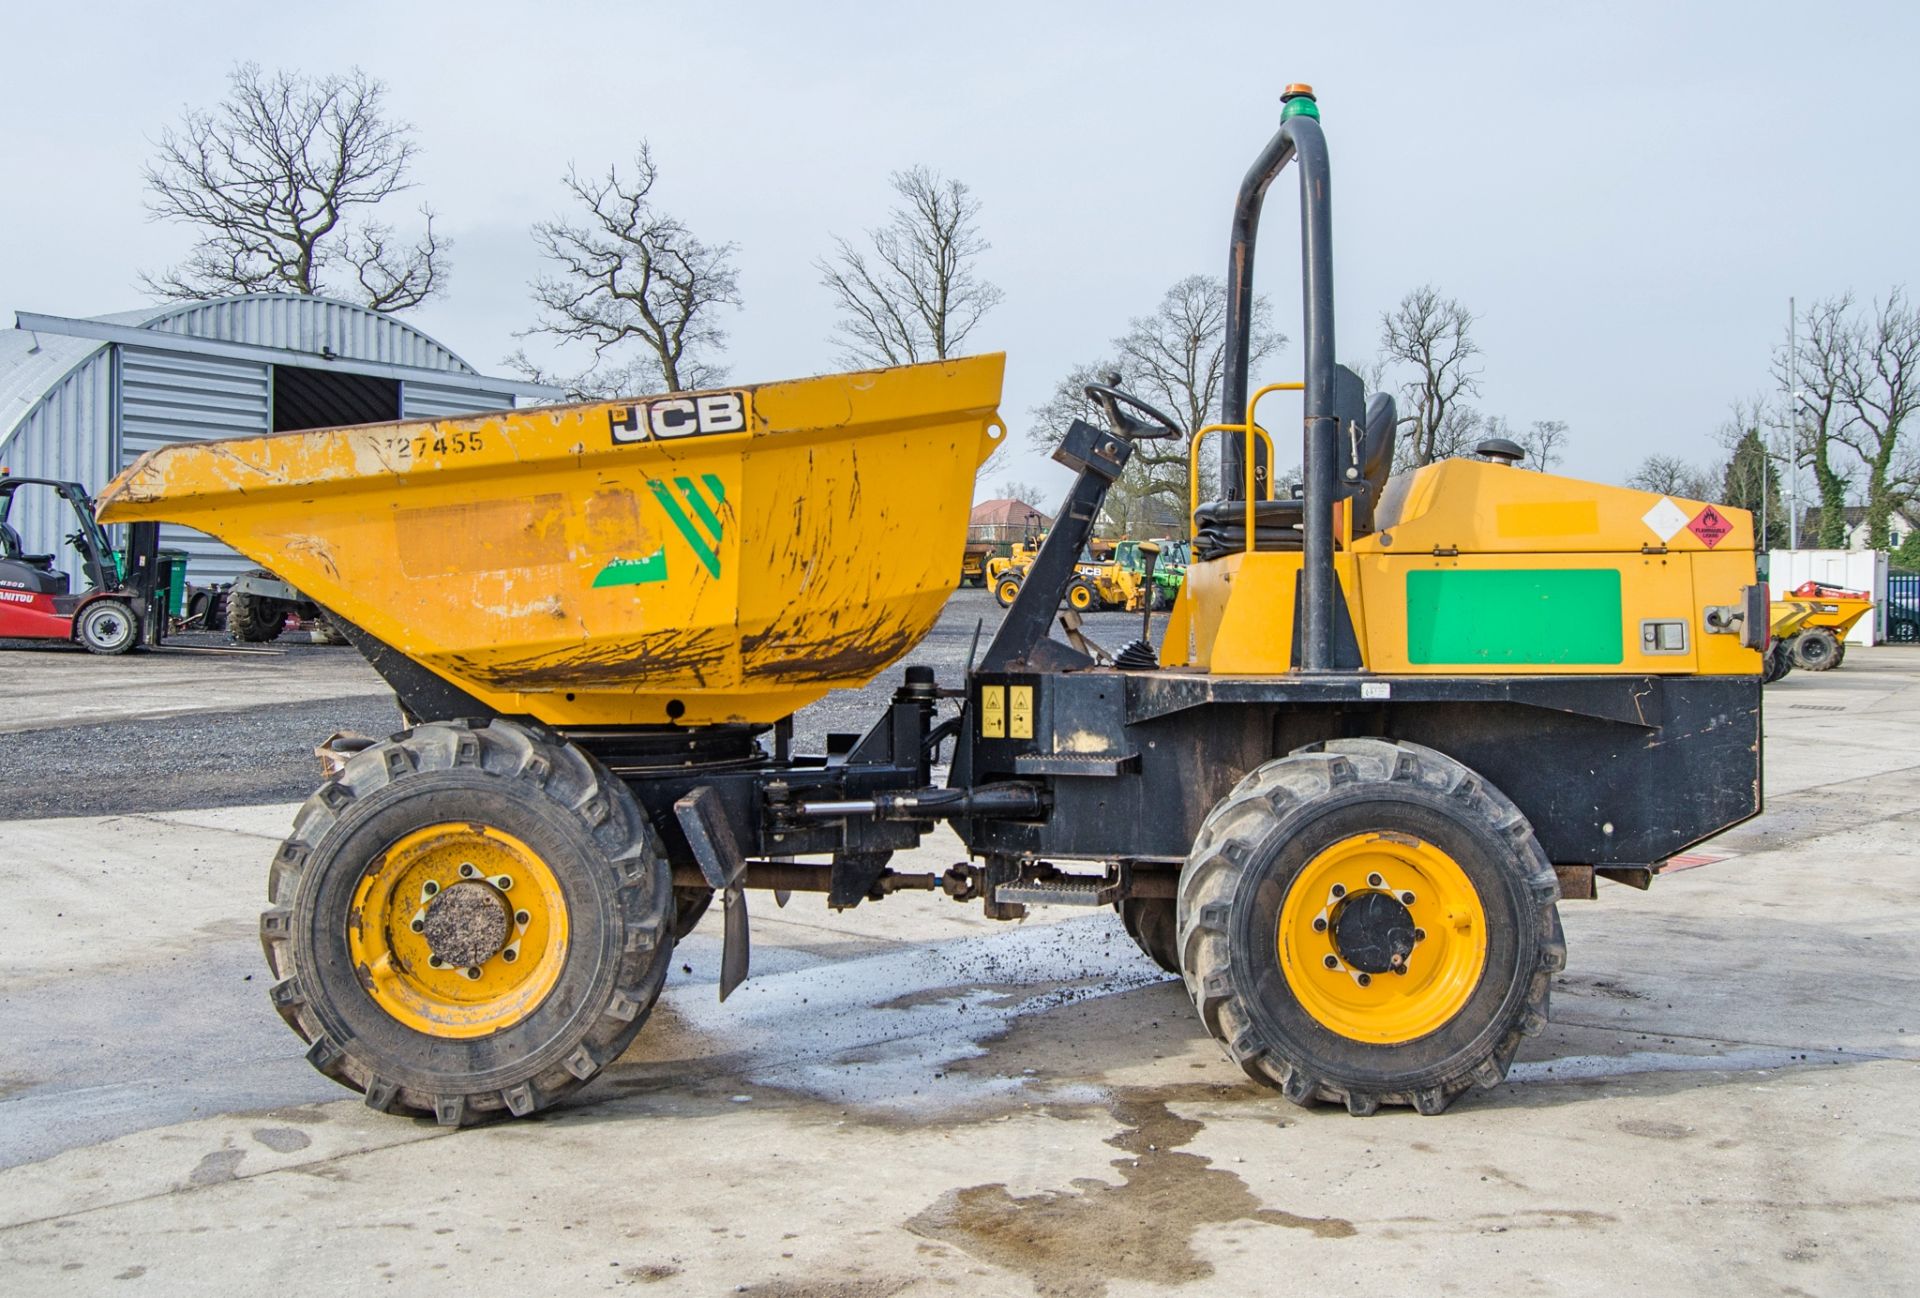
(1391, 724)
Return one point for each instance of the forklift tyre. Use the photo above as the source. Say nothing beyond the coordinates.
(107, 626)
(1323, 877)
(560, 937)
(1815, 649)
(1151, 924)
(1006, 590)
(1081, 596)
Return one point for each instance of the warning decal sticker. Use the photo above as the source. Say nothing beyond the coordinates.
(1665, 519)
(1711, 526)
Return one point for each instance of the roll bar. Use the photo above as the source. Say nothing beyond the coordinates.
(1298, 139)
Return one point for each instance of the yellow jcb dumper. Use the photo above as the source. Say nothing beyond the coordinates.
(1392, 725)
(1811, 623)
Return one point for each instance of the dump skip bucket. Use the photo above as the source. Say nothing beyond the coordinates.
(712, 557)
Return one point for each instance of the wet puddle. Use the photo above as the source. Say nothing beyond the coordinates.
(1071, 1243)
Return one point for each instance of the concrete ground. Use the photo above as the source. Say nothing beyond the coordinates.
(910, 1100)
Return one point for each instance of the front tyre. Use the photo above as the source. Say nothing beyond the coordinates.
(1815, 649)
(1369, 923)
(106, 626)
(472, 919)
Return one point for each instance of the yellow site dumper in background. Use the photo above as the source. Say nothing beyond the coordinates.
(1811, 622)
(704, 558)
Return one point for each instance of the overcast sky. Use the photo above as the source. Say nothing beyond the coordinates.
(1627, 195)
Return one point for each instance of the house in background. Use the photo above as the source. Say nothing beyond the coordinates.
(1899, 527)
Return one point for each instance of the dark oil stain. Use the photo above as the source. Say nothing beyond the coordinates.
(652, 1274)
(216, 1167)
(838, 1287)
(1071, 1243)
(1655, 1130)
(132, 1273)
(282, 1140)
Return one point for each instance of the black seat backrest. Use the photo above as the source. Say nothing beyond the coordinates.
(1376, 459)
(11, 546)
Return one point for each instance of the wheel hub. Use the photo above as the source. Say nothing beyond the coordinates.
(1373, 932)
(467, 924)
(1382, 937)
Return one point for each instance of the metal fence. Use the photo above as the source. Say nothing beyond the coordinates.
(1899, 614)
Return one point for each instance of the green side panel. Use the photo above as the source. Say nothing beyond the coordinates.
(1515, 616)
(634, 572)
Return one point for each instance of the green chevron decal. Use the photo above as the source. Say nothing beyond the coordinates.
(705, 536)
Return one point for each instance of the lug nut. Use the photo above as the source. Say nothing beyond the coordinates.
(1365, 980)
(1333, 962)
(1319, 923)
(504, 883)
(1406, 899)
(1339, 889)
(1419, 935)
(1400, 969)
(467, 871)
(521, 918)
(509, 955)
(419, 926)
(1374, 881)
(473, 974)
(429, 887)
(433, 962)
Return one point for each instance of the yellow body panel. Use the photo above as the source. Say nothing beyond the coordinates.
(1235, 614)
(702, 558)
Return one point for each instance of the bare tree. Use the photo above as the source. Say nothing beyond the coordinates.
(1175, 359)
(916, 293)
(1672, 476)
(1880, 383)
(1024, 492)
(280, 180)
(635, 285)
(1545, 443)
(1433, 336)
(1816, 377)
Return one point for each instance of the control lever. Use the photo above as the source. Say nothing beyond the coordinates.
(1138, 655)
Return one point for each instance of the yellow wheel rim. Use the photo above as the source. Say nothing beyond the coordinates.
(1008, 590)
(1080, 598)
(458, 930)
(1382, 938)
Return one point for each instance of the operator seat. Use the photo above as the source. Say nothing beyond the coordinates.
(1220, 526)
(12, 547)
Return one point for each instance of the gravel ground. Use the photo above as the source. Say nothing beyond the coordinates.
(263, 754)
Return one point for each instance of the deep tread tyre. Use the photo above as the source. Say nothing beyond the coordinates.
(1081, 597)
(255, 619)
(1815, 649)
(1903, 631)
(1151, 923)
(1271, 829)
(1777, 663)
(590, 835)
(107, 626)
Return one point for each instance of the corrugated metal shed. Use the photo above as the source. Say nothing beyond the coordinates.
(81, 398)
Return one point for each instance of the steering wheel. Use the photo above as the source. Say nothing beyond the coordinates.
(1111, 398)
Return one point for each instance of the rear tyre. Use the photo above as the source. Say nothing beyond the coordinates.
(1151, 923)
(1369, 923)
(472, 919)
(106, 626)
(1777, 663)
(1006, 590)
(255, 619)
(1816, 649)
(1081, 596)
